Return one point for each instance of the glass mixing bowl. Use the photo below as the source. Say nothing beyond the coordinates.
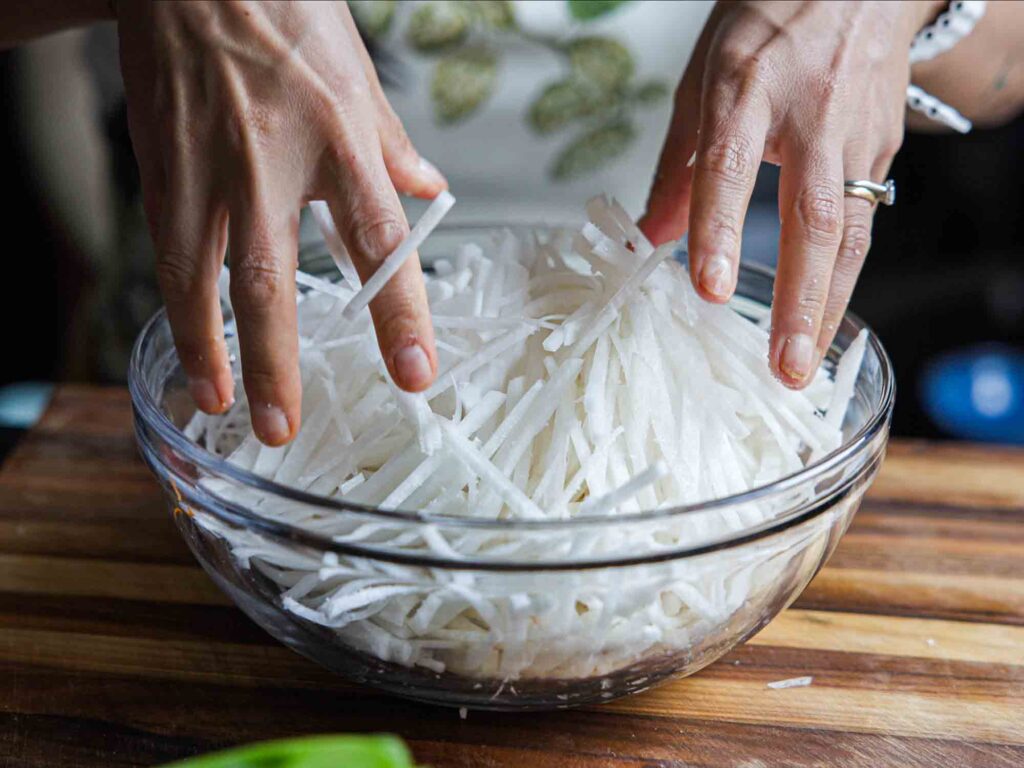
(645, 609)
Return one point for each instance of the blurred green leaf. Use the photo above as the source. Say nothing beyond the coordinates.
(585, 10)
(604, 62)
(565, 101)
(374, 17)
(463, 81)
(593, 150)
(650, 92)
(495, 13)
(378, 751)
(437, 25)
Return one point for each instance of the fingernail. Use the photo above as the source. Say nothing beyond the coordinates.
(692, 160)
(271, 424)
(412, 368)
(204, 393)
(797, 357)
(429, 170)
(716, 276)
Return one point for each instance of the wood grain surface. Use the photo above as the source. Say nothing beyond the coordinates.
(116, 650)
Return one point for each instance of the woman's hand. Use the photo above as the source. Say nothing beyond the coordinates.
(818, 88)
(240, 113)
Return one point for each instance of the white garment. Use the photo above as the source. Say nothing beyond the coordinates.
(497, 165)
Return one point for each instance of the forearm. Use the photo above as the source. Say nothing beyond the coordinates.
(20, 21)
(982, 76)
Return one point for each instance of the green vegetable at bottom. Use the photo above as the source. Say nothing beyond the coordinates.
(377, 751)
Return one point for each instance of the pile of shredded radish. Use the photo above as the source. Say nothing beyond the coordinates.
(580, 375)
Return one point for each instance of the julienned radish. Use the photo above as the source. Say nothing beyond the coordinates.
(580, 375)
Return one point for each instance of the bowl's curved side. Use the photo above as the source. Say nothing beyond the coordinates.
(641, 615)
(706, 604)
(161, 403)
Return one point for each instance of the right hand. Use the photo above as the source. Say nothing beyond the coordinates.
(818, 87)
(240, 113)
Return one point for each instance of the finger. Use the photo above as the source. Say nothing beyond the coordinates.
(372, 224)
(734, 122)
(668, 205)
(190, 253)
(811, 208)
(410, 173)
(853, 249)
(264, 236)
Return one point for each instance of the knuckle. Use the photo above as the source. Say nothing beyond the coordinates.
(338, 151)
(730, 158)
(344, 153)
(820, 208)
(735, 57)
(177, 275)
(377, 234)
(258, 280)
(810, 303)
(856, 241)
(729, 56)
(743, 65)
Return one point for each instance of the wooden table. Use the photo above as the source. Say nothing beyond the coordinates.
(116, 650)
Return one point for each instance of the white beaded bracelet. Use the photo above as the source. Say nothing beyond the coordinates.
(930, 107)
(951, 27)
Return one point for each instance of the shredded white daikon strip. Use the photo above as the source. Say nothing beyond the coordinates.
(335, 245)
(602, 505)
(581, 378)
(311, 281)
(394, 261)
(846, 378)
(792, 682)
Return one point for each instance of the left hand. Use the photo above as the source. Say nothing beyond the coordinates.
(819, 88)
(240, 113)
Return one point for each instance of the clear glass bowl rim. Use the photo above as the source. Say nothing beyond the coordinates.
(151, 416)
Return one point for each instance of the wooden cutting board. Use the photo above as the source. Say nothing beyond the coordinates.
(116, 650)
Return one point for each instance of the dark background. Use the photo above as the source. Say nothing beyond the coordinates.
(945, 270)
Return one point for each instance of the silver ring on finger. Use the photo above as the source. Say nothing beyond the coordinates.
(871, 191)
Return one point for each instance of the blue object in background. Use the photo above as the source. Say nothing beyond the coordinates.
(977, 393)
(22, 404)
